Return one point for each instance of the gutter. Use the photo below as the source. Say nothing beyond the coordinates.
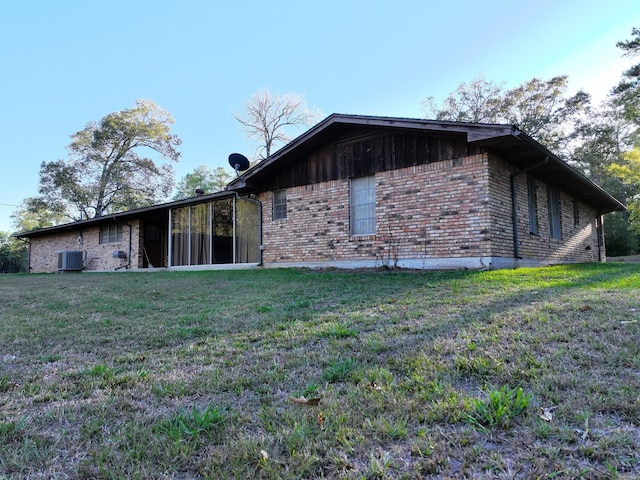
(514, 205)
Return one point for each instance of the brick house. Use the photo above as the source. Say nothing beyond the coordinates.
(364, 191)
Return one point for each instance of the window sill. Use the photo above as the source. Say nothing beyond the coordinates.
(363, 238)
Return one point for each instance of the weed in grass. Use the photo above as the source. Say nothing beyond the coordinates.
(338, 330)
(480, 367)
(166, 389)
(500, 408)
(51, 358)
(379, 465)
(339, 370)
(31, 389)
(187, 424)
(377, 345)
(310, 390)
(5, 384)
(8, 430)
(395, 429)
(379, 377)
(100, 370)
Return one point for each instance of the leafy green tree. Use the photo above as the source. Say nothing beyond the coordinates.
(13, 254)
(626, 95)
(35, 213)
(540, 108)
(620, 172)
(202, 177)
(268, 118)
(631, 77)
(620, 239)
(110, 168)
(628, 171)
(479, 101)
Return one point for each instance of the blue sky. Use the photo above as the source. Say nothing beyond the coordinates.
(66, 62)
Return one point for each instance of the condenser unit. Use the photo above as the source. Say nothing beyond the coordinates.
(70, 261)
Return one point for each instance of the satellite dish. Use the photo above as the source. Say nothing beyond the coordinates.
(238, 162)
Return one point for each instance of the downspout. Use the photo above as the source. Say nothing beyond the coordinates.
(514, 205)
(128, 265)
(600, 235)
(169, 239)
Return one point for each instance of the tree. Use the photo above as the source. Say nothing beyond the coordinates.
(543, 111)
(477, 102)
(267, 118)
(202, 177)
(628, 171)
(631, 48)
(627, 93)
(620, 238)
(624, 167)
(13, 254)
(107, 170)
(34, 213)
(540, 108)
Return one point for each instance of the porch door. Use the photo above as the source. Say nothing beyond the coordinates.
(154, 247)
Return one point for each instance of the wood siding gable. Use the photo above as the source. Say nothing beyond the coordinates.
(364, 153)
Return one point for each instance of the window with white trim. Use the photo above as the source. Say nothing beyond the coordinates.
(363, 205)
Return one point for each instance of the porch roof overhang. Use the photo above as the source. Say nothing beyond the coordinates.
(123, 217)
(506, 141)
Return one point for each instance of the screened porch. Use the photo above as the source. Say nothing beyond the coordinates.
(220, 231)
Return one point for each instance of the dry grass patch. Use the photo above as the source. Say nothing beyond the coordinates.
(529, 373)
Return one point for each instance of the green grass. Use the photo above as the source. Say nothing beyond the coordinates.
(420, 374)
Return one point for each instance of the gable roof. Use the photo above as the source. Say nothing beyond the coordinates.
(507, 141)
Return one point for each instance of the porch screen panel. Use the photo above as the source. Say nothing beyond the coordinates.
(222, 228)
(180, 236)
(200, 234)
(247, 232)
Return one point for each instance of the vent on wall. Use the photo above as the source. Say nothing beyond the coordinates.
(70, 261)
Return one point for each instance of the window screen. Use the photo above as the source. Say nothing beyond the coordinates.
(553, 197)
(363, 206)
(279, 204)
(111, 233)
(533, 206)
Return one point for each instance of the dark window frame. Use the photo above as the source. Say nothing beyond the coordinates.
(279, 204)
(532, 199)
(110, 233)
(555, 209)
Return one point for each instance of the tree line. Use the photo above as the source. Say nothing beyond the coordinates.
(125, 160)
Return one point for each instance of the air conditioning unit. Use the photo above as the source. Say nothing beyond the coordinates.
(70, 261)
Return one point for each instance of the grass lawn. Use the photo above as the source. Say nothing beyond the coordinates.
(512, 374)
